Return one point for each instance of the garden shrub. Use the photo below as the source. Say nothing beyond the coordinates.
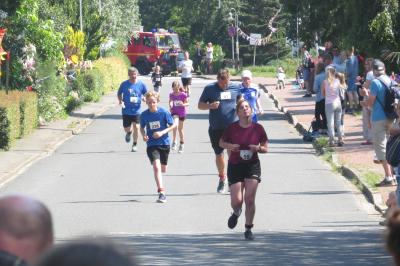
(10, 128)
(29, 112)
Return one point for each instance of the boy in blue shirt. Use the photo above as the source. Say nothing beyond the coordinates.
(155, 123)
(130, 94)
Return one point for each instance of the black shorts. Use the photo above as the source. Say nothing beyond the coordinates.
(158, 152)
(127, 120)
(186, 81)
(215, 135)
(239, 172)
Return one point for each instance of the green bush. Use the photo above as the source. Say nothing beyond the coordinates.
(10, 128)
(29, 112)
(90, 85)
(113, 69)
(270, 70)
(51, 92)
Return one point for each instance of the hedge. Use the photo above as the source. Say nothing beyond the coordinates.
(18, 116)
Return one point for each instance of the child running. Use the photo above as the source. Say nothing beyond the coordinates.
(178, 101)
(156, 79)
(155, 123)
(281, 79)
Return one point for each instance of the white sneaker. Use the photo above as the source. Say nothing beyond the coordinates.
(134, 148)
(173, 146)
(181, 148)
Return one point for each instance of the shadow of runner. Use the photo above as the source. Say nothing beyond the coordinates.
(272, 248)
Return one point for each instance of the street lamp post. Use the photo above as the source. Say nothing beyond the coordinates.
(236, 21)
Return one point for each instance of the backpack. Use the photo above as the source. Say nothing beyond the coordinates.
(391, 93)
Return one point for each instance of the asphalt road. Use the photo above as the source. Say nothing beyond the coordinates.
(306, 214)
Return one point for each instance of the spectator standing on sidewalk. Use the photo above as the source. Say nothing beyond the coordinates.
(209, 57)
(220, 98)
(380, 124)
(198, 56)
(366, 110)
(319, 112)
(251, 93)
(130, 96)
(244, 139)
(333, 108)
(342, 94)
(155, 123)
(280, 84)
(351, 77)
(26, 230)
(308, 67)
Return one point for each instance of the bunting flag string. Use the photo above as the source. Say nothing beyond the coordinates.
(266, 39)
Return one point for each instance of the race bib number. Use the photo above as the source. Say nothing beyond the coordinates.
(158, 79)
(154, 125)
(253, 94)
(246, 154)
(178, 103)
(134, 99)
(226, 95)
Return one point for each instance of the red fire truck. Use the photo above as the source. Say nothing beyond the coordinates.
(147, 49)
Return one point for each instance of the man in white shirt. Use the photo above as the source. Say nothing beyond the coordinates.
(186, 66)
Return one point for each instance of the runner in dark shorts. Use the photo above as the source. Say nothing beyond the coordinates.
(245, 139)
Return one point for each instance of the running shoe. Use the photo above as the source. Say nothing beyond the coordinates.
(180, 150)
(173, 146)
(128, 137)
(248, 235)
(386, 183)
(134, 148)
(232, 221)
(221, 186)
(161, 198)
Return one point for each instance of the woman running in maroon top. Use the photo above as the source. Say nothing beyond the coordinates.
(244, 139)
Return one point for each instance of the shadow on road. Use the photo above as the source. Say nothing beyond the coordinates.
(271, 248)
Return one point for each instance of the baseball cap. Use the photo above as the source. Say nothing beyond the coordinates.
(378, 65)
(246, 74)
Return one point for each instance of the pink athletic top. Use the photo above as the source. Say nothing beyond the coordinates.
(177, 104)
(235, 134)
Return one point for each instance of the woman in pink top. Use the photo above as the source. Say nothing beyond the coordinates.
(177, 102)
(244, 139)
(333, 107)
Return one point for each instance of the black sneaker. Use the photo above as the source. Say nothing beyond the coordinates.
(307, 95)
(248, 235)
(161, 198)
(386, 183)
(232, 221)
(221, 186)
(128, 137)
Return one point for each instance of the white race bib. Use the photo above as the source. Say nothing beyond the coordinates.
(158, 79)
(246, 154)
(134, 99)
(178, 103)
(226, 95)
(253, 94)
(154, 125)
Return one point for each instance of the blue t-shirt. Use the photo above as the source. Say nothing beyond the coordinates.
(222, 117)
(251, 95)
(378, 90)
(131, 96)
(156, 121)
(318, 86)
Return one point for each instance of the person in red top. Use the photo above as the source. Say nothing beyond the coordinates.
(244, 139)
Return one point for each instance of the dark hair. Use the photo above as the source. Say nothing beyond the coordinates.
(223, 72)
(98, 252)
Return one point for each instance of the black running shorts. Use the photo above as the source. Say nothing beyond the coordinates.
(127, 120)
(158, 152)
(239, 172)
(215, 135)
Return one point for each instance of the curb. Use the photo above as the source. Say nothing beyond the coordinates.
(350, 174)
(74, 126)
